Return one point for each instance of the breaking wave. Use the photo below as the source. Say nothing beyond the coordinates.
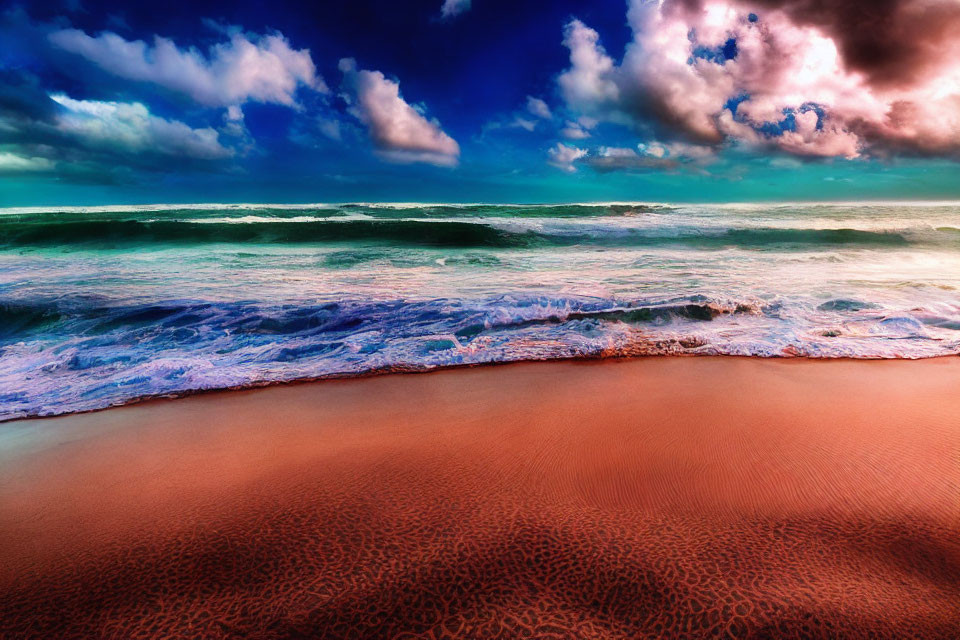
(443, 233)
(78, 354)
(104, 306)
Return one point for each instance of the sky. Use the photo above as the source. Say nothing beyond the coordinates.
(478, 101)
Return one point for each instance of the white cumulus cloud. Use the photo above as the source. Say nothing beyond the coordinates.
(563, 156)
(258, 68)
(574, 131)
(399, 132)
(129, 127)
(589, 83)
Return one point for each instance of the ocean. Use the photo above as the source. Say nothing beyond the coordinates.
(104, 305)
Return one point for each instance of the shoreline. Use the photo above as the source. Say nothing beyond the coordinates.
(418, 370)
(655, 496)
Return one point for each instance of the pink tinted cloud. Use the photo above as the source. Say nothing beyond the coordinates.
(797, 58)
(562, 156)
(399, 132)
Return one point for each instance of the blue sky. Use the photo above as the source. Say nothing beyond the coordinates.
(448, 100)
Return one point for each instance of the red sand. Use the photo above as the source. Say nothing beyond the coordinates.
(683, 497)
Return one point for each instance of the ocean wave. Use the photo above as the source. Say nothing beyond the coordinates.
(487, 225)
(91, 317)
(80, 353)
(514, 233)
(100, 306)
(99, 233)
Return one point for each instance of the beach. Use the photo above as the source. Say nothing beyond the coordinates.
(459, 320)
(651, 497)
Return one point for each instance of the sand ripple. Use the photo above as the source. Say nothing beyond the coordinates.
(626, 500)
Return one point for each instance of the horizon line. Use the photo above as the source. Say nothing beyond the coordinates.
(162, 206)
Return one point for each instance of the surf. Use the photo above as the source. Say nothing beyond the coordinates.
(105, 306)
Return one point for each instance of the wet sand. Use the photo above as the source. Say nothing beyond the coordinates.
(661, 497)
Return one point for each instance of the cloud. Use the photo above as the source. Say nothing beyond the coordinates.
(453, 8)
(652, 155)
(523, 123)
(258, 68)
(399, 132)
(623, 159)
(808, 77)
(235, 129)
(22, 100)
(563, 156)
(574, 131)
(233, 124)
(129, 127)
(521, 119)
(679, 151)
(234, 113)
(895, 42)
(589, 84)
(810, 137)
(97, 141)
(539, 108)
(13, 163)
